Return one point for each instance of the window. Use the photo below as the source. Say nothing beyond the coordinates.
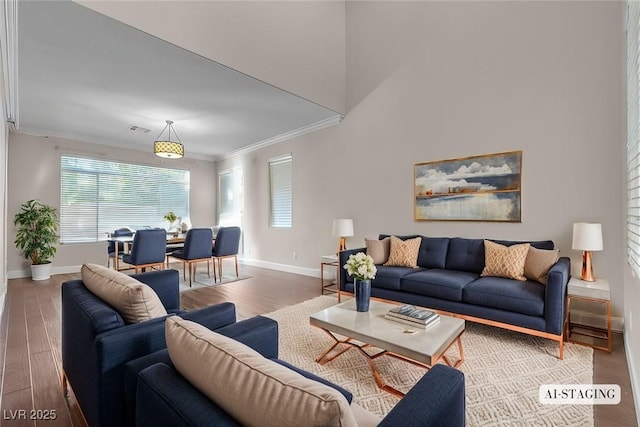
(633, 136)
(281, 189)
(230, 197)
(98, 196)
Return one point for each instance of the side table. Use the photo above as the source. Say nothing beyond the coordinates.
(594, 292)
(329, 285)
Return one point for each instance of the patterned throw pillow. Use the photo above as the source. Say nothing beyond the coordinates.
(539, 262)
(505, 261)
(404, 253)
(378, 249)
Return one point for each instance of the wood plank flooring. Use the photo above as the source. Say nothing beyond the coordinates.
(30, 344)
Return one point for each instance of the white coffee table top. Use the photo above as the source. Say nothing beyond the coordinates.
(421, 345)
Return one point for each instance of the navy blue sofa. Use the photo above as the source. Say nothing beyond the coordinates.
(448, 279)
(97, 343)
(165, 398)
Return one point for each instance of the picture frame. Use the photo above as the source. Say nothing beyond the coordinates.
(476, 188)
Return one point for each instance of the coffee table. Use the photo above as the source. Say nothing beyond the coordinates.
(418, 346)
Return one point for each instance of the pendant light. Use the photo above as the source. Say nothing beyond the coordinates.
(167, 148)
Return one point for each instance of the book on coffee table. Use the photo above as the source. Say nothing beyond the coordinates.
(411, 315)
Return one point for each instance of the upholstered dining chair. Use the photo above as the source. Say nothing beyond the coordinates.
(226, 246)
(148, 249)
(111, 248)
(197, 248)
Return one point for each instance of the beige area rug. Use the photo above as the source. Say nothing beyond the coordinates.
(503, 371)
(202, 280)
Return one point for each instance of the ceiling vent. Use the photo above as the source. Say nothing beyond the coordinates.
(139, 129)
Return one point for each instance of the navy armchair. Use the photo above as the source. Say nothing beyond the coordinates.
(97, 343)
(226, 246)
(148, 249)
(166, 398)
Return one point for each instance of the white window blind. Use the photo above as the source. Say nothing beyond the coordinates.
(281, 191)
(230, 197)
(633, 135)
(98, 196)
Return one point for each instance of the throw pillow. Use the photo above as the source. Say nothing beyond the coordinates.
(539, 262)
(254, 390)
(505, 261)
(134, 300)
(404, 253)
(378, 249)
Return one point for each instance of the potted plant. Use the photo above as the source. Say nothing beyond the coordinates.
(171, 217)
(37, 236)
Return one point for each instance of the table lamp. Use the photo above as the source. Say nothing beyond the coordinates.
(587, 237)
(342, 228)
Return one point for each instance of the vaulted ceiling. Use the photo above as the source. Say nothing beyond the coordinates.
(85, 76)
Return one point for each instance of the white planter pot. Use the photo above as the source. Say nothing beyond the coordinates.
(41, 271)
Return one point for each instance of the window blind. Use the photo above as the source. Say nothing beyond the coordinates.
(281, 191)
(633, 135)
(98, 196)
(230, 197)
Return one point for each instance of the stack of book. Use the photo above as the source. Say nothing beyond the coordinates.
(413, 316)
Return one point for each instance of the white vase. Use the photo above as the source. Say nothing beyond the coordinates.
(40, 271)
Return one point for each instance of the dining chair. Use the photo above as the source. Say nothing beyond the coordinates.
(197, 248)
(111, 248)
(226, 246)
(148, 249)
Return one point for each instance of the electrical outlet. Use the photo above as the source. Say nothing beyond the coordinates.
(295, 255)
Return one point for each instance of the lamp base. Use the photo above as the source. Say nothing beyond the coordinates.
(587, 267)
(342, 244)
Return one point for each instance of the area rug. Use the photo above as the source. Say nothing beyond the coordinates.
(503, 371)
(202, 280)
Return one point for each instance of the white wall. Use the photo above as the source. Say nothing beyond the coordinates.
(4, 144)
(296, 46)
(34, 173)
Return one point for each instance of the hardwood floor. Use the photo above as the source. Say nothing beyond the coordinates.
(30, 344)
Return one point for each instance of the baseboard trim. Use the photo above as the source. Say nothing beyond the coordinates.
(596, 320)
(304, 271)
(22, 274)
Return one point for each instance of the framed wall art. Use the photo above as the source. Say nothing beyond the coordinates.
(478, 188)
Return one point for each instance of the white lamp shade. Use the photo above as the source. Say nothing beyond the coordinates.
(342, 227)
(587, 237)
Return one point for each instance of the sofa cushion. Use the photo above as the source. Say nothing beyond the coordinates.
(433, 252)
(505, 261)
(378, 249)
(506, 294)
(389, 277)
(539, 262)
(438, 283)
(465, 255)
(133, 300)
(540, 244)
(268, 394)
(404, 253)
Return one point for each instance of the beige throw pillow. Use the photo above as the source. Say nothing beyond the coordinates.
(254, 390)
(378, 249)
(404, 253)
(539, 262)
(134, 300)
(505, 261)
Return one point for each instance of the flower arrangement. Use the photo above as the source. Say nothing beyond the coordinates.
(361, 266)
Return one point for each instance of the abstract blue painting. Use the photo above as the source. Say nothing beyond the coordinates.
(477, 188)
